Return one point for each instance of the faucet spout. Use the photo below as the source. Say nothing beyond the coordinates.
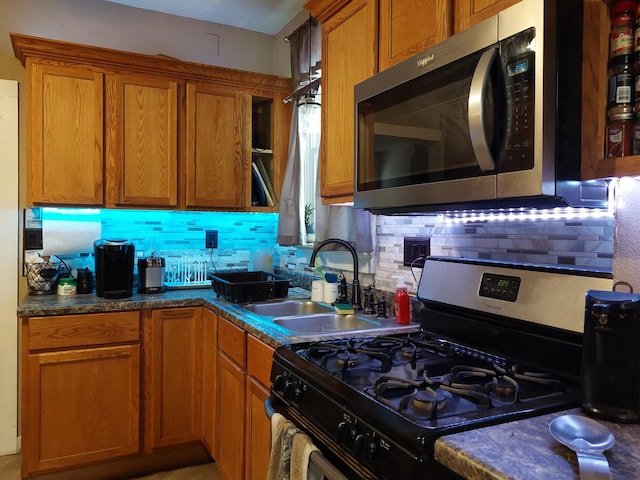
(355, 291)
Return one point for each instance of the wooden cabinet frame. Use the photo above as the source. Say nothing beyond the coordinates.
(124, 176)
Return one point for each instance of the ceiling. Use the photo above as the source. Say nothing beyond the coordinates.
(265, 16)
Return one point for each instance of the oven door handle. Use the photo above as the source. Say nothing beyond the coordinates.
(325, 466)
(481, 147)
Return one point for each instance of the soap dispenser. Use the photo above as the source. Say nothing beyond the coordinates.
(402, 311)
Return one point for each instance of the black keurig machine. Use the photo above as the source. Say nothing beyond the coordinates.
(114, 268)
(611, 356)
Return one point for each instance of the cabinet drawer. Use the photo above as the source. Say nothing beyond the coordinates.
(232, 340)
(82, 330)
(259, 358)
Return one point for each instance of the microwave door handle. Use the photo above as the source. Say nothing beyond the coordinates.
(475, 109)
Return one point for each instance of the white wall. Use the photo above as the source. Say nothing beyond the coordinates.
(626, 258)
(111, 25)
(9, 262)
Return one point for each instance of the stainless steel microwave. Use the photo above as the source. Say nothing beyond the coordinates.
(488, 118)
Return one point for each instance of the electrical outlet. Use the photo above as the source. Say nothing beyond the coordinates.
(211, 239)
(416, 247)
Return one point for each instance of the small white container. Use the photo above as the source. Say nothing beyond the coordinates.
(317, 290)
(330, 292)
(67, 286)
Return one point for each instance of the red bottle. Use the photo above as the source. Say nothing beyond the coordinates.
(402, 302)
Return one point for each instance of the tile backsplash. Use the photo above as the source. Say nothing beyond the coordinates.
(586, 242)
(582, 242)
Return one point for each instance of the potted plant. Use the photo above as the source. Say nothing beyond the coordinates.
(308, 220)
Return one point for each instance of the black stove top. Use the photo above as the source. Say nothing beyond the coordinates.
(378, 404)
(403, 391)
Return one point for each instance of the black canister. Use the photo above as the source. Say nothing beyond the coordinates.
(84, 281)
(611, 357)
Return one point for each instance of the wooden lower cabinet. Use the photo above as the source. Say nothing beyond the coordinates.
(209, 379)
(232, 376)
(173, 376)
(80, 403)
(258, 425)
(119, 393)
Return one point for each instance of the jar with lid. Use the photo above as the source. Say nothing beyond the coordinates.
(621, 38)
(622, 84)
(619, 135)
(636, 130)
(67, 286)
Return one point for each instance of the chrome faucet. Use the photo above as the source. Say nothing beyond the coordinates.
(355, 289)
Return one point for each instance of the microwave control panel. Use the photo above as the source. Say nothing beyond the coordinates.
(519, 70)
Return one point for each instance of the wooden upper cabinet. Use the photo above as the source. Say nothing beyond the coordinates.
(216, 162)
(142, 140)
(65, 134)
(595, 56)
(111, 128)
(470, 12)
(349, 55)
(407, 27)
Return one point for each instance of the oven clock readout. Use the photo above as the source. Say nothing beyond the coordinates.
(502, 287)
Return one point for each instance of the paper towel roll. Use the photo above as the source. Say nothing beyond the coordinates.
(69, 237)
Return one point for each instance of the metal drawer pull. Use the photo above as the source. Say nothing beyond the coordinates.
(326, 468)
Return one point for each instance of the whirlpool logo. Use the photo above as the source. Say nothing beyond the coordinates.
(424, 61)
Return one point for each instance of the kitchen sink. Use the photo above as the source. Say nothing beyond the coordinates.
(325, 323)
(287, 307)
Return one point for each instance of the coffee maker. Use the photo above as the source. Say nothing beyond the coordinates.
(611, 357)
(114, 268)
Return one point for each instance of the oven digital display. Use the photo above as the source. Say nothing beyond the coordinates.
(518, 67)
(502, 287)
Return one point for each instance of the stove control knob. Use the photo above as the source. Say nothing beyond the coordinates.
(346, 432)
(279, 383)
(364, 446)
(292, 390)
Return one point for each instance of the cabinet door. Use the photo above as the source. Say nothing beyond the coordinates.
(470, 12)
(65, 135)
(258, 431)
(217, 162)
(83, 406)
(209, 381)
(349, 54)
(142, 140)
(231, 418)
(258, 427)
(173, 376)
(407, 27)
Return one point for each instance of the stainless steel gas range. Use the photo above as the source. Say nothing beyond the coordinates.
(498, 341)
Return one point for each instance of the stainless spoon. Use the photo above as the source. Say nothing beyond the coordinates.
(589, 439)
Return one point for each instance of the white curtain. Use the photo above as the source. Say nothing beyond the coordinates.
(305, 44)
(301, 184)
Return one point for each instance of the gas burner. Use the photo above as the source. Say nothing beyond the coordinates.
(427, 401)
(503, 390)
(349, 360)
(533, 380)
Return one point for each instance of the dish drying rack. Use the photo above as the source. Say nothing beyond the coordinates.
(186, 272)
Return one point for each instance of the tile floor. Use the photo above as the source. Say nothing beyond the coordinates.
(10, 470)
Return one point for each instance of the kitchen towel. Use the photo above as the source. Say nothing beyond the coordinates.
(70, 232)
(301, 449)
(281, 436)
(291, 449)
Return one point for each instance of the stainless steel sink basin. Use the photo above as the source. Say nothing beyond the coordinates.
(325, 323)
(287, 307)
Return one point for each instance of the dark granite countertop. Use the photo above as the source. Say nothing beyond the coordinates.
(260, 327)
(525, 450)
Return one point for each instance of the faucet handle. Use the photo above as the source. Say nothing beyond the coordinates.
(369, 301)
